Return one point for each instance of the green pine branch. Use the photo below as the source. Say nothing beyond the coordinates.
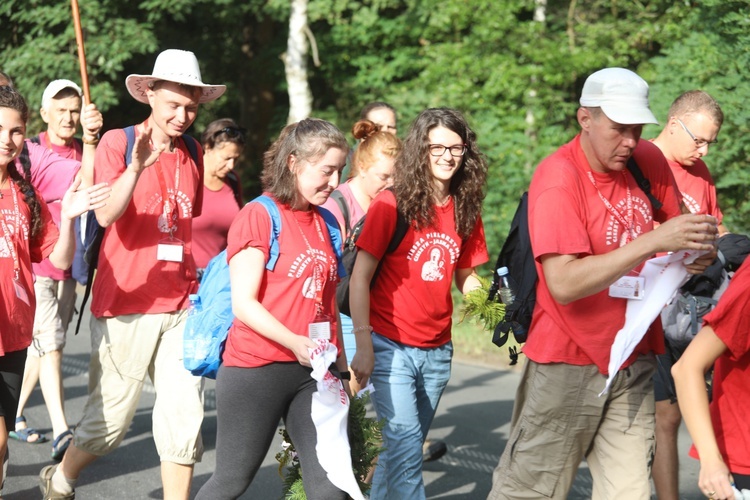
(476, 305)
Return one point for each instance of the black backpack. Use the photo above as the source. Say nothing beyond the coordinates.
(95, 232)
(349, 253)
(518, 257)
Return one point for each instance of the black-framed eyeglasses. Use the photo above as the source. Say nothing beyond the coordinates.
(439, 150)
(232, 133)
(699, 143)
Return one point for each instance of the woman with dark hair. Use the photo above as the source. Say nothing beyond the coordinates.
(403, 324)
(223, 142)
(265, 375)
(27, 234)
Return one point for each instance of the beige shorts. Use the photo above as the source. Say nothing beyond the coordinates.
(55, 303)
(124, 351)
(559, 419)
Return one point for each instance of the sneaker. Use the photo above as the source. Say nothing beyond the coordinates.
(45, 485)
(433, 450)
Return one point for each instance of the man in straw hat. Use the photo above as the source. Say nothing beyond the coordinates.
(591, 228)
(145, 273)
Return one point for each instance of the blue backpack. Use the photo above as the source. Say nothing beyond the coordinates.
(207, 328)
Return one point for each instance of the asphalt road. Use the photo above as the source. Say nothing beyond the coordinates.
(473, 419)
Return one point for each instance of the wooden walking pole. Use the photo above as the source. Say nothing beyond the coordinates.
(81, 52)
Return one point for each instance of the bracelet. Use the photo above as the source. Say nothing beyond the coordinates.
(367, 328)
(92, 142)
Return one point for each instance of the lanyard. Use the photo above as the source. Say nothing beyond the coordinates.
(318, 268)
(627, 224)
(77, 154)
(169, 204)
(7, 235)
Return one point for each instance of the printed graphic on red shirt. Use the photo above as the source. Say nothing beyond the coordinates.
(435, 249)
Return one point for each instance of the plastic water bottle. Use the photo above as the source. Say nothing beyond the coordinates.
(507, 294)
(193, 344)
(195, 304)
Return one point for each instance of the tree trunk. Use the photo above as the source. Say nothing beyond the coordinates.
(295, 64)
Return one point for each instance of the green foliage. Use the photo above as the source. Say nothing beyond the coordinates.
(365, 438)
(476, 304)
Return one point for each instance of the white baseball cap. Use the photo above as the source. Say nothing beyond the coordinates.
(172, 65)
(54, 88)
(621, 94)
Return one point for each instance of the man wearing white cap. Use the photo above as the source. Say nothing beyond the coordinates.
(145, 274)
(591, 226)
(55, 288)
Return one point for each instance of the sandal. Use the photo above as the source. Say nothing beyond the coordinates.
(60, 445)
(26, 433)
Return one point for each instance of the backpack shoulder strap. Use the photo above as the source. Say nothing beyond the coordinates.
(402, 226)
(130, 137)
(341, 202)
(192, 146)
(234, 182)
(335, 233)
(643, 183)
(273, 244)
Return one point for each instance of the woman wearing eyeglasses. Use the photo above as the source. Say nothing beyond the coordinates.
(223, 142)
(403, 324)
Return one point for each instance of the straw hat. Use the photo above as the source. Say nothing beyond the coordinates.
(172, 65)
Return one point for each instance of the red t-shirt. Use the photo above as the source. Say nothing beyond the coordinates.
(129, 278)
(286, 292)
(568, 217)
(697, 188)
(17, 317)
(411, 300)
(72, 152)
(211, 227)
(731, 387)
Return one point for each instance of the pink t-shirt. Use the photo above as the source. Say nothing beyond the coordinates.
(731, 387)
(568, 217)
(356, 212)
(129, 278)
(74, 153)
(211, 227)
(51, 174)
(287, 292)
(17, 317)
(411, 300)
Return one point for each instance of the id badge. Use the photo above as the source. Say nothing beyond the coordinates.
(628, 287)
(21, 293)
(320, 328)
(170, 250)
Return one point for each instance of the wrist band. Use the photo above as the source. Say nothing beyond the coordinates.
(93, 142)
(367, 328)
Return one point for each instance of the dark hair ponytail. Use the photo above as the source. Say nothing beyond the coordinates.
(10, 98)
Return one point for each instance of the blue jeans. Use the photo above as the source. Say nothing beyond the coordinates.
(350, 341)
(409, 382)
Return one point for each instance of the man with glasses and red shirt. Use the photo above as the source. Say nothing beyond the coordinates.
(693, 123)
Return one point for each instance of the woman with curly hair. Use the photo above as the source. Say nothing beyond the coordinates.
(402, 324)
(27, 234)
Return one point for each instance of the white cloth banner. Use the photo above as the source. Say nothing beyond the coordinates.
(330, 414)
(663, 277)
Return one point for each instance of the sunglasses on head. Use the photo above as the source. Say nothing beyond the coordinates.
(232, 133)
